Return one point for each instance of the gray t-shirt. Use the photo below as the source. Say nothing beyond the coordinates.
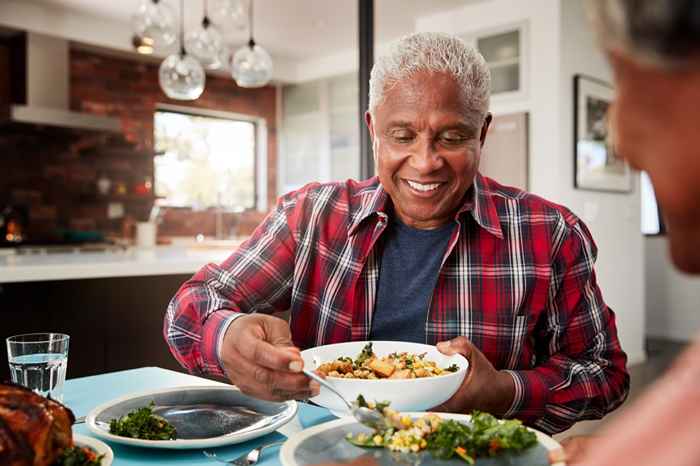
(411, 261)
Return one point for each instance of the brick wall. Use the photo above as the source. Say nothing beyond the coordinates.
(54, 172)
(129, 90)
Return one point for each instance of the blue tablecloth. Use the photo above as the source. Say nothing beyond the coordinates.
(84, 394)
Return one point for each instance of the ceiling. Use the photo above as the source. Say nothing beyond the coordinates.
(294, 29)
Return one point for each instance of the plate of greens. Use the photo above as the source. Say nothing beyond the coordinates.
(86, 451)
(188, 417)
(428, 439)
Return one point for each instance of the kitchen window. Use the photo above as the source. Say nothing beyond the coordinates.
(204, 161)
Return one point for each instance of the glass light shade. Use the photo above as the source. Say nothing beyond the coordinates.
(229, 13)
(205, 44)
(154, 22)
(251, 66)
(181, 77)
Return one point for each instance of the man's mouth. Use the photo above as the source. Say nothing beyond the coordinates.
(423, 187)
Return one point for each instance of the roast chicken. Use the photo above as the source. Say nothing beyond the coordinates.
(34, 430)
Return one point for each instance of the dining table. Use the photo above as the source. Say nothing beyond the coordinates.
(83, 394)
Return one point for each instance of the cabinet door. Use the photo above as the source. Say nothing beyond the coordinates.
(135, 314)
(24, 308)
(78, 308)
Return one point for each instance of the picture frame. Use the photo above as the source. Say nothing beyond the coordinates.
(597, 167)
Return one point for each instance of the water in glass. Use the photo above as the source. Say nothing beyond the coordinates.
(39, 362)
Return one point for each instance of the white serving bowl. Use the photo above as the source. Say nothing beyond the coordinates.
(404, 394)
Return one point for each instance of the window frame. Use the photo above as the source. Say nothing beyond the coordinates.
(260, 128)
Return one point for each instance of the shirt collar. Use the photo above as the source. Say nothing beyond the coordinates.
(478, 202)
(373, 202)
(482, 207)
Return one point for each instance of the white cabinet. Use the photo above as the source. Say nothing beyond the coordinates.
(319, 132)
(504, 51)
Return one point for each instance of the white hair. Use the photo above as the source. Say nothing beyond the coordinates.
(434, 52)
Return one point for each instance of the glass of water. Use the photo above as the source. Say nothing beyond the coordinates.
(38, 361)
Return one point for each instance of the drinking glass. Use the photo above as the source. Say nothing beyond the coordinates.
(38, 361)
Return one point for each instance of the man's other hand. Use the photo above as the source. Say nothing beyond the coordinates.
(259, 357)
(484, 388)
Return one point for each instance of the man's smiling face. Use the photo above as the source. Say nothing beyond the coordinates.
(427, 147)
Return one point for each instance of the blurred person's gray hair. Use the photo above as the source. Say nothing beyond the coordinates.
(434, 52)
(661, 32)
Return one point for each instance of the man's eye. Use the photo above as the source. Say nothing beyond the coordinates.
(452, 139)
(402, 136)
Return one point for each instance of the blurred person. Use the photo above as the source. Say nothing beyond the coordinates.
(428, 251)
(654, 49)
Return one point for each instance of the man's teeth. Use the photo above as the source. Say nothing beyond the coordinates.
(423, 187)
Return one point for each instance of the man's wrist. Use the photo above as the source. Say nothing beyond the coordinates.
(503, 393)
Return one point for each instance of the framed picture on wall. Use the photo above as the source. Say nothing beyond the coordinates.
(596, 165)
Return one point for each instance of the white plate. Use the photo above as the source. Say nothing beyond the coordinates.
(326, 443)
(404, 394)
(98, 446)
(261, 417)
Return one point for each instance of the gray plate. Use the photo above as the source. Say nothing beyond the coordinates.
(326, 444)
(204, 416)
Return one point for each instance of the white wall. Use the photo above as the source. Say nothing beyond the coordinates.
(673, 298)
(614, 219)
(560, 44)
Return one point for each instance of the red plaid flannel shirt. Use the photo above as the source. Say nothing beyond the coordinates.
(517, 280)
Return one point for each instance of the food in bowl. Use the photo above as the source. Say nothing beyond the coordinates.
(141, 423)
(483, 436)
(411, 394)
(79, 456)
(368, 365)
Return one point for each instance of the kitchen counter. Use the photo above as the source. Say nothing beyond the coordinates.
(161, 260)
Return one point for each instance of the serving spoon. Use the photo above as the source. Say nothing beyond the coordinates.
(368, 417)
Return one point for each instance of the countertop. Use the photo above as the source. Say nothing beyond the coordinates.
(160, 260)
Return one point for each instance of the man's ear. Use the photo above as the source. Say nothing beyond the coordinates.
(485, 128)
(368, 122)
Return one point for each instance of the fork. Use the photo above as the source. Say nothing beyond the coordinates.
(246, 459)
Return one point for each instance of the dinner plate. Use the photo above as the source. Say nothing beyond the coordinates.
(98, 446)
(204, 416)
(326, 443)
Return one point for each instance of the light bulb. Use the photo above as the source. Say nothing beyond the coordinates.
(251, 66)
(154, 23)
(230, 14)
(205, 44)
(181, 77)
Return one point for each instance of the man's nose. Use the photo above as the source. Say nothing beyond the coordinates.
(425, 158)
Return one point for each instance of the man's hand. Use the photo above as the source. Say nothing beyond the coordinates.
(573, 451)
(259, 357)
(484, 388)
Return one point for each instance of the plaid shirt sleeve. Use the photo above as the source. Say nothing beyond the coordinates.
(580, 373)
(257, 277)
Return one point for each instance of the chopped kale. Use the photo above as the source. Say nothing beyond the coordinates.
(143, 424)
(78, 456)
(365, 354)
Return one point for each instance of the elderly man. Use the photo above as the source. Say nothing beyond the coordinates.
(430, 251)
(654, 48)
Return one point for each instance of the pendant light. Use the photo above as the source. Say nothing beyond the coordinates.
(205, 43)
(154, 26)
(180, 76)
(251, 64)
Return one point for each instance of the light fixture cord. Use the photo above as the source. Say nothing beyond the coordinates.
(205, 20)
(182, 28)
(251, 42)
